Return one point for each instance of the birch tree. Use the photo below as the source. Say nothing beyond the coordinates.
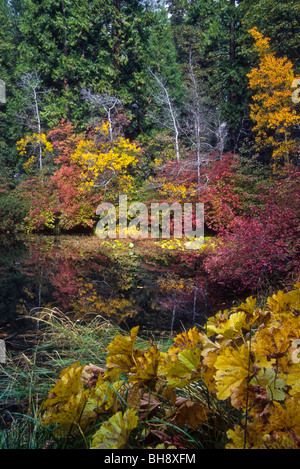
(169, 113)
(30, 83)
(109, 104)
(203, 128)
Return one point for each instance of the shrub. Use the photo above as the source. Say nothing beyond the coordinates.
(247, 358)
(13, 210)
(262, 249)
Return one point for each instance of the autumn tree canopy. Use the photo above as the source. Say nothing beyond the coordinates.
(273, 111)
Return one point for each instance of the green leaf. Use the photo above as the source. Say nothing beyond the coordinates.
(275, 386)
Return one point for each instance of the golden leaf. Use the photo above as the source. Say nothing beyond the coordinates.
(272, 342)
(282, 303)
(292, 415)
(114, 433)
(232, 370)
(237, 438)
(279, 440)
(208, 374)
(118, 364)
(66, 400)
(293, 379)
(121, 354)
(248, 307)
(185, 340)
(146, 366)
(185, 369)
(69, 383)
(229, 329)
(216, 321)
(104, 396)
(123, 345)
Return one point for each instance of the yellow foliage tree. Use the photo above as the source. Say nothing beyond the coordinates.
(272, 109)
(105, 163)
(35, 147)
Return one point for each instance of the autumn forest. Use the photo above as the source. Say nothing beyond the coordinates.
(135, 342)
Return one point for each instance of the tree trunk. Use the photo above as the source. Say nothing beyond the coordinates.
(39, 128)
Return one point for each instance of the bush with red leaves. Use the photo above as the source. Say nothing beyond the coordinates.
(263, 248)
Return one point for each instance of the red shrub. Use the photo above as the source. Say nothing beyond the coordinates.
(264, 247)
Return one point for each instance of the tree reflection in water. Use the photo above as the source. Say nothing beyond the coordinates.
(83, 277)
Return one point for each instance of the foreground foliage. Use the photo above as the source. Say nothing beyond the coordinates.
(240, 375)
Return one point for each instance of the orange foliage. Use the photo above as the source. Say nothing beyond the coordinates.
(272, 109)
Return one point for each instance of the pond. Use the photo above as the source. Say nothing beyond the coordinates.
(81, 276)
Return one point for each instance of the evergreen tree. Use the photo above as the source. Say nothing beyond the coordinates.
(277, 20)
(79, 45)
(9, 130)
(207, 36)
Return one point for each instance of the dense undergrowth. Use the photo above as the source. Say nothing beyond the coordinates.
(233, 384)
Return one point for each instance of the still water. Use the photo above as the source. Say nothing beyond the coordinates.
(82, 277)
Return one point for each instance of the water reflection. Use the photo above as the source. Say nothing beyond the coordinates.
(82, 278)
